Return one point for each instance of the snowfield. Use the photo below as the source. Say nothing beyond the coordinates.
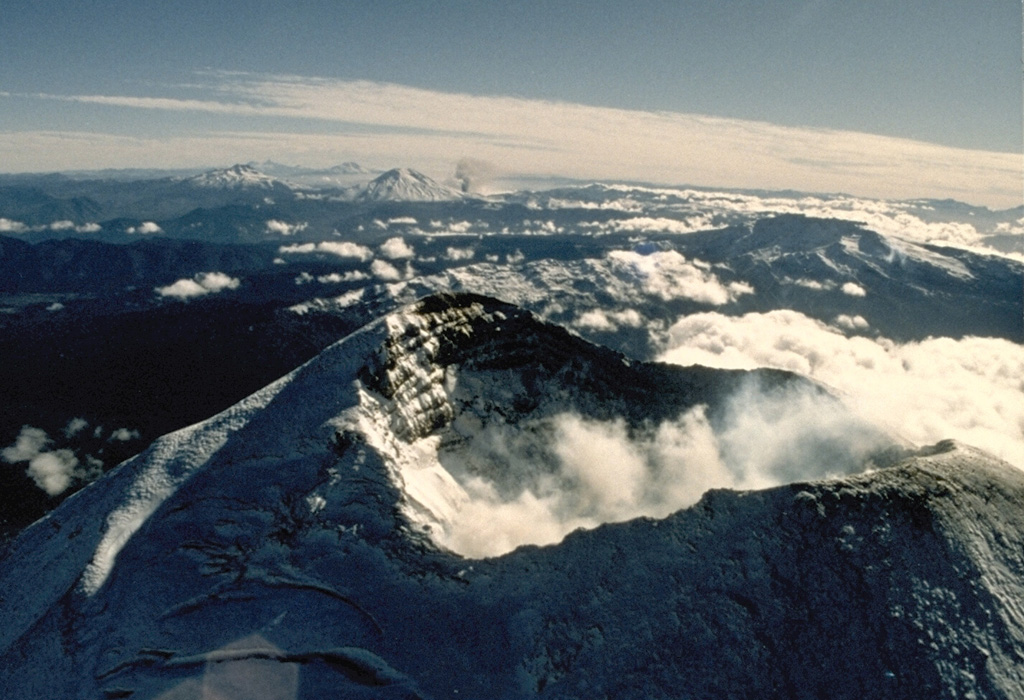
(304, 543)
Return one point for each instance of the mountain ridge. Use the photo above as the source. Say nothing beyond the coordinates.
(237, 177)
(284, 540)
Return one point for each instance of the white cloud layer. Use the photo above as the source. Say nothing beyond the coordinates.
(145, 228)
(343, 249)
(648, 224)
(610, 321)
(123, 435)
(200, 285)
(29, 443)
(424, 128)
(66, 225)
(669, 275)
(851, 323)
(75, 426)
(385, 271)
(537, 485)
(939, 388)
(853, 289)
(54, 471)
(459, 254)
(897, 220)
(12, 226)
(283, 228)
(396, 249)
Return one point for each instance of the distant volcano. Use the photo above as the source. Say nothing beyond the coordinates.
(406, 185)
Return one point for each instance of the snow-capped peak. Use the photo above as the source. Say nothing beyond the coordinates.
(406, 185)
(235, 178)
(273, 550)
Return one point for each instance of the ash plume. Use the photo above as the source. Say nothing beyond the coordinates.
(473, 174)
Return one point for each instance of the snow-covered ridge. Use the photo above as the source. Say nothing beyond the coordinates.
(281, 541)
(870, 582)
(476, 407)
(237, 177)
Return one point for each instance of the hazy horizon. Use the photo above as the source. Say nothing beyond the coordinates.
(919, 101)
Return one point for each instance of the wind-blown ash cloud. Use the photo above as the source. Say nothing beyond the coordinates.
(474, 174)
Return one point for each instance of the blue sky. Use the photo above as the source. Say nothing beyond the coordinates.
(118, 83)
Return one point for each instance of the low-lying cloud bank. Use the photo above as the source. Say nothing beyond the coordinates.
(397, 249)
(200, 285)
(52, 470)
(534, 484)
(145, 228)
(669, 275)
(342, 249)
(59, 462)
(13, 226)
(284, 228)
(926, 391)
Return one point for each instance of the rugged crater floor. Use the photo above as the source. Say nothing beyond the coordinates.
(293, 547)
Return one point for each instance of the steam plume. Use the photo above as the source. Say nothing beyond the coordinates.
(473, 174)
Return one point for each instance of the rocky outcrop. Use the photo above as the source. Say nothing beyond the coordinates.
(273, 549)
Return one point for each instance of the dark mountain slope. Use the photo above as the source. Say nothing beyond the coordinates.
(280, 544)
(907, 290)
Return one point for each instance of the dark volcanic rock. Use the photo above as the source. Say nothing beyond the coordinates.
(272, 547)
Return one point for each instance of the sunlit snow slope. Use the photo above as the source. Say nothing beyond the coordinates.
(299, 544)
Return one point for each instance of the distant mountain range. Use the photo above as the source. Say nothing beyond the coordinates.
(238, 177)
(229, 205)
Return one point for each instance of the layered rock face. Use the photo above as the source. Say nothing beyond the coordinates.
(294, 546)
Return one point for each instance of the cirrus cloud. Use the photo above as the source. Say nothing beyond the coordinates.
(531, 137)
